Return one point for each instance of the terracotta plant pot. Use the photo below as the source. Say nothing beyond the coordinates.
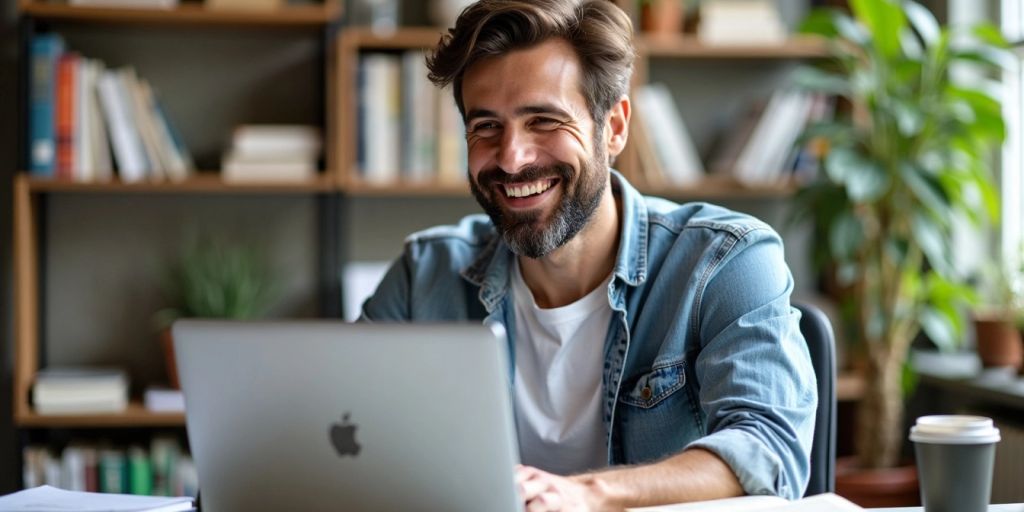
(890, 487)
(998, 342)
(167, 344)
(662, 16)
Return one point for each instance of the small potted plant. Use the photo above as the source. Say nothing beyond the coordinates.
(998, 317)
(662, 17)
(212, 279)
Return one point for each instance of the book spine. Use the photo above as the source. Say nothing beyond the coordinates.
(45, 52)
(67, 69)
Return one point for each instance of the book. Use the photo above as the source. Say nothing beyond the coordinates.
(749, 22)
(129, 154)
(827, 502)
(45, 51)
(51, 498)
(74, 390)
(66, 122)
(419, 119)
(272, 153)
(668, 135)
(380, 132)
(164, 400)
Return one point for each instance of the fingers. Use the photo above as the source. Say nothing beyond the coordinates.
(538, 490)
(548, 501)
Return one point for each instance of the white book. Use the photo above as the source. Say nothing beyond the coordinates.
(82, 165)
(128, 151)
(144, 123)
(763, 158)
(50, 498)
(240, 170)
(670, 138)
(419, 112)
(382, 118)
(258, 140)
(164, 400)
(740, 22)
(452, 163)
(820, 503)
(72, 390)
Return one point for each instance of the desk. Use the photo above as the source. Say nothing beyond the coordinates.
(1011, 507)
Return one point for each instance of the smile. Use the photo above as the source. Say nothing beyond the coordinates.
(528, 189)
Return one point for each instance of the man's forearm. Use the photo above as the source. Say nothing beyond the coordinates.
(693, 475)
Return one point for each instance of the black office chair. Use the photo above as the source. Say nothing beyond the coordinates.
(817, 330)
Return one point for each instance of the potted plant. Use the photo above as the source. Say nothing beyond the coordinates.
(212, 279)
(910, 155)
(998, 317)
(662, 17)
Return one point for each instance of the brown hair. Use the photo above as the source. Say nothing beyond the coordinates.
(598, 30)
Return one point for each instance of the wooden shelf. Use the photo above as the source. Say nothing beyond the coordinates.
(135, 416)
(206, 182)
(187, 13)
(401, 39)
(691, 47)
(406, 189)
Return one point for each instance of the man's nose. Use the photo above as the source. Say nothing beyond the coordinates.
(516, 152)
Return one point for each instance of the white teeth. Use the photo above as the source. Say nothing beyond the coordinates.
(527, 190)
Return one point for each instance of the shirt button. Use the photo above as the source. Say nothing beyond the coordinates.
(646, 392)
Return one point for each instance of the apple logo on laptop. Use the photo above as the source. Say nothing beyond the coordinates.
(343, 437)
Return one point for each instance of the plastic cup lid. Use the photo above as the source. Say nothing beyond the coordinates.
(954, 429)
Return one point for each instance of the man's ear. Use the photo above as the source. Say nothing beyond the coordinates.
(616, 127)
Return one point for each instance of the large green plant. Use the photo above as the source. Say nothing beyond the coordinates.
(911, 155)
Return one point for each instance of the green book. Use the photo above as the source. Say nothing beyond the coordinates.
(140, 472)
(113, 472)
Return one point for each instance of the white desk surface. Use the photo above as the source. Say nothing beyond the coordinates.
(1010, 507)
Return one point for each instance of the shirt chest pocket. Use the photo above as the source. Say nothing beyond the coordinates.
(650, 389)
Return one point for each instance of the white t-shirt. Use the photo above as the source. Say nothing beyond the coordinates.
(559, 360)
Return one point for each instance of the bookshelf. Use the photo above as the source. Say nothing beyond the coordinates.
(186, 14)
(355, 41)
(32, 195)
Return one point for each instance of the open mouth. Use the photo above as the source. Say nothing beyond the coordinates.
(519, 191)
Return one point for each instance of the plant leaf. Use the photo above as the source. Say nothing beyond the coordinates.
(884, 20)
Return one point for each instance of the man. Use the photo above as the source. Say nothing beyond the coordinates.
(657, 358)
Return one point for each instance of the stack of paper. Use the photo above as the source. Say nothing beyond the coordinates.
(51, 498)
(821, 503)
(72, 390)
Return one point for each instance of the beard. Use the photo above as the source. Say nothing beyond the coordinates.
(527, 233)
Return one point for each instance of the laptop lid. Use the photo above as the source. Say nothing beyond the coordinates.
(331, 416)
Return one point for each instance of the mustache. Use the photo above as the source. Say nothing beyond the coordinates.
(496, 176)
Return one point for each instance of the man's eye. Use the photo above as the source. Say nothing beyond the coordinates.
(484, 128)
(546, 122)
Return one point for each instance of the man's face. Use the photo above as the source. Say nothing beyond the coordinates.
(536, 164)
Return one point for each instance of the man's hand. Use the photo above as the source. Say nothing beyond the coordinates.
(545, 492)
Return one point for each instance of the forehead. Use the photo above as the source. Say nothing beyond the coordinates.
(546, 72)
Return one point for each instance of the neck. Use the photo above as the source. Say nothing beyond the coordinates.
(582, 264)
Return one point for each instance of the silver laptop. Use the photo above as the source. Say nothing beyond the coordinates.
(329, 416)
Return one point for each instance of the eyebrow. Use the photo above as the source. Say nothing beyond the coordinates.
(544, 108)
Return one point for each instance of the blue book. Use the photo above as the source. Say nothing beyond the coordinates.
(46, 50)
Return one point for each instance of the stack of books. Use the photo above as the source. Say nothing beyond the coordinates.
(84, 118)
(753, 22)
(272, 153)
(70, 390)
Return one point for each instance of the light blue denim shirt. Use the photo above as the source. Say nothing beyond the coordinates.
(703, 349)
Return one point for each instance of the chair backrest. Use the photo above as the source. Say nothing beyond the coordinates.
(817, 331)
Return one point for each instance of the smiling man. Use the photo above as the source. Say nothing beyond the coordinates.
(656, 355)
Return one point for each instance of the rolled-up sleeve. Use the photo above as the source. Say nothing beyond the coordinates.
(757, 385)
